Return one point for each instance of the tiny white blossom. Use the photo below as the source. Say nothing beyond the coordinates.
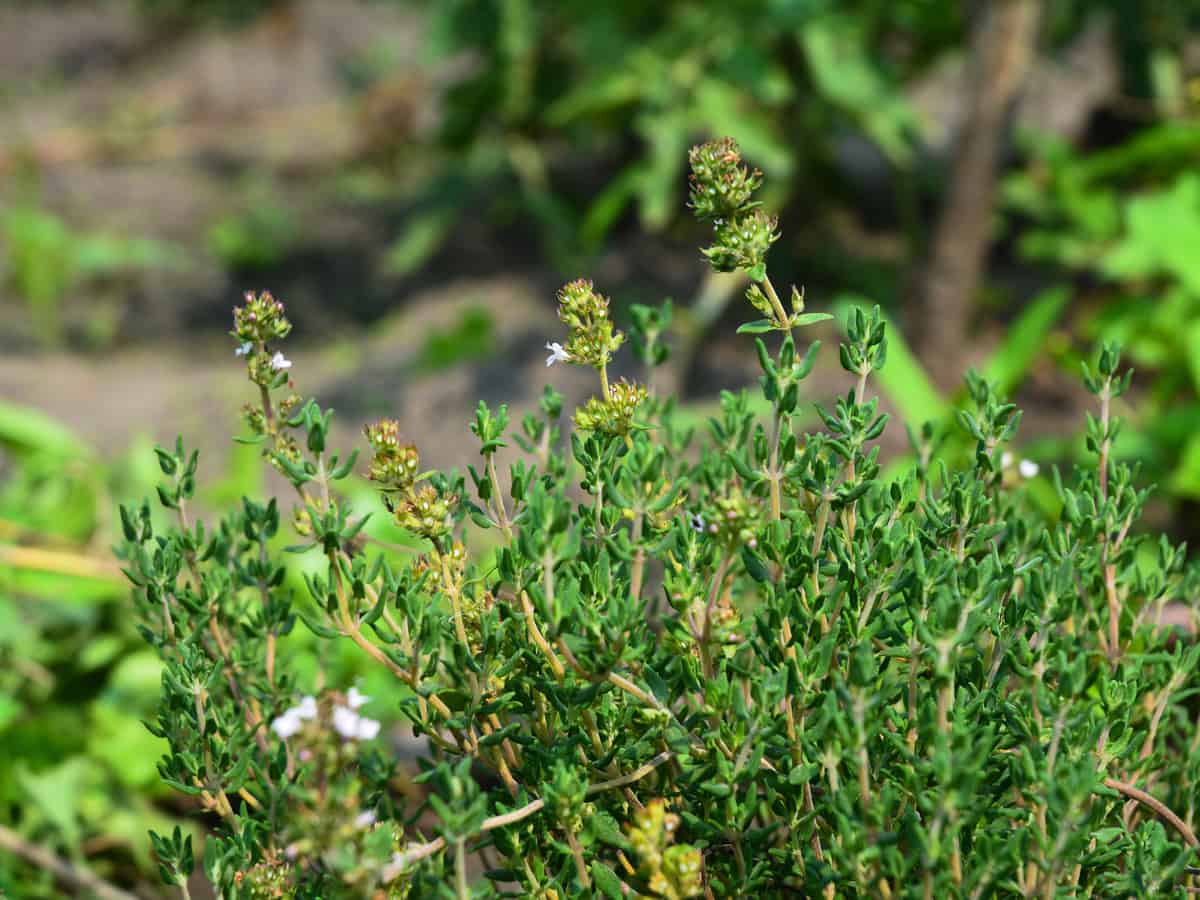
(1028, 468)
(307, 708)
(1006, 459)
(279, 362)
(345, 721)
(365, 819)
(355, 699)
(244, 350)
(557, 353)
(287, 725)
(368, 729)
(352, 726)
(698, 523)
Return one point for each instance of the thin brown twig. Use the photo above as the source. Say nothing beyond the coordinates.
(1164, 812)
(402, 860)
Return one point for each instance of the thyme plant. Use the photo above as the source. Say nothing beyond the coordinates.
(725, 664)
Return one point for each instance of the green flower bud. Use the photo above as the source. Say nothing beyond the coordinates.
(593, 339)
(394, 465)
(260, 319)
(721, 186)
(614, 415)
(742, 242)
(425, 512)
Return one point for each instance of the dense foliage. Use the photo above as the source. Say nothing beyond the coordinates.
(721, 664)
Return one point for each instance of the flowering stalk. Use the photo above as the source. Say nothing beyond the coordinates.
(689, 664)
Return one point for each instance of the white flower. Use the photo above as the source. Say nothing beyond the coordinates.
(293, 719)
(698, 523)
(557, 353)
(279, 362)
(365, 819)
(355, 699)
(307, 708)
(1006, 459)
(352, 726)
(244, 350)
(287, 724)
(345, 721)
(1028, 468)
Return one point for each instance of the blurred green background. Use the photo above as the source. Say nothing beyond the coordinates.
(1012, 180)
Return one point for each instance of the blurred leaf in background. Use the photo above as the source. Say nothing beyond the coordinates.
(46, 260)
(75, 679)
(621, 89)
(1120, 227)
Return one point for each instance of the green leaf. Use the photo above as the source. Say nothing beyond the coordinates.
(810, 319)
(1025, 339)
(1161, 237)
(56, 794)
(1185, 478)
(903, 380)
(666, 135)
(1192, 349)
(761, 326)
(657, 686)
(27, 430)
(420, 239)
(313, 625)
(9, 710)
(754, 566)
(602, 215)
(835, 47)
(724, 107)
(607, 881)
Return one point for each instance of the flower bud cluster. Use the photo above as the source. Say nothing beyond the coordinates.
(424, 511)
(742, 242)
(670, 870)
(592, 340)
(270, 879)
(733, 522)
(259, 321)
(566, 796)
(420, 507)
(722, 189)
(394, 465)
(613, 415)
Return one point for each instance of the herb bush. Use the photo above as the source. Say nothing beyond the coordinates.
(721, 666)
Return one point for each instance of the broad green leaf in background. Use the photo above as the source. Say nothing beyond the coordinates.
(609, 204)
(666, 135)
(55, 793)
(9, 709)
(1192, 342)
(420, 239)
(726, 110)
(1024, 340)
(596, 96)
(835, 49)
(1185, 478)
(1162, 235)
(27, 430)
